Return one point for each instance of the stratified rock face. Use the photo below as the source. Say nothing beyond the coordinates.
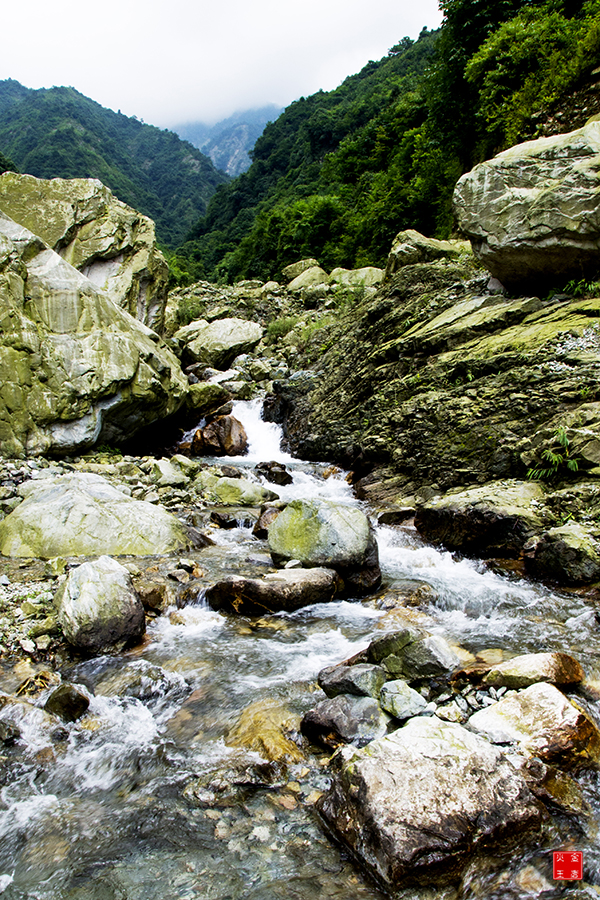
(84, 515)
(495, 520)
(74, 367)
(533, 211)
(323, 533)
(412, 806)
(411, 247)
(98, 608)
(107, 241)
(543, 723)
(218, 343)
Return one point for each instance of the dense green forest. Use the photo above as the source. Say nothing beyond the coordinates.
(60, 133)
(340, 173)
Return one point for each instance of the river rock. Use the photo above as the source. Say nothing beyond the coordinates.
(531, 212)
(400, 700)
(110, 243)
(75, 368)
(84, 515)
(413, 653)
(345, 719)
(309, 278)
(285, 590)
(206, 398)
(232, 491)
(67, 702)
(224, 436)
(294, 269)
(98, 608)
(567, 555)
(274, 472)
(368, 276)
(266, 519)
(523, 671)
(411, 247)
(218, 343)
(324, 533)
(494, 520)
(264, 726)
(363, 680)
(543, 723)
(416, 804)
(165, 474)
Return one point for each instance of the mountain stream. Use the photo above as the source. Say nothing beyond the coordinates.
(137, 800)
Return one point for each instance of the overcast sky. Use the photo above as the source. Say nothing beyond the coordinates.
(181, 61)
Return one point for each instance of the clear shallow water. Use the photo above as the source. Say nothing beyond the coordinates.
(115, 806)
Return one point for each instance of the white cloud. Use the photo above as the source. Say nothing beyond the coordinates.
(184, 60)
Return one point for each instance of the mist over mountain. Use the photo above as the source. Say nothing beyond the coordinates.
(230, 142)
(58, 132)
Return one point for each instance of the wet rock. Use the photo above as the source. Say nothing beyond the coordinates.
(400, 700)
(54, 520)
(232, 491)
(235, 518)
(230, 785)
(224, 436)
(267, 517)
(67, 702)
(398, 516)
(494, 520)
(98, 608)
(345, 719)
(274, 472)
(412, 653)
(527, 210)
(413, 806)
(141, 680)
(263, 727)
(323, 533)
(285, 590)
(153, 593)
(543, 723)
(9, 734)
(523, 671)
(362, 680)
(567, 555)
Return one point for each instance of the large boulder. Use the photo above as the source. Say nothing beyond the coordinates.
(84, 515)
(74, 367)
(98, 608)
(495, 520)
(309, 278)
(107, 241)
(411, 247)
(224, 436)
(523, 671)
(414, 805)
(218, 343)
(286, 590)
(568, 555)
(232, 491)
(368, 276)
(324, 533)
(532, 212)
(294, 269)
(543, 723)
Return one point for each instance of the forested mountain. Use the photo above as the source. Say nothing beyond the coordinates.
(340, 173)
(58, 132)
(230, 141)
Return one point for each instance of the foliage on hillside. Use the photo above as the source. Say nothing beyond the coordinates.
(60, 133)
(6, 164)
(340, 173)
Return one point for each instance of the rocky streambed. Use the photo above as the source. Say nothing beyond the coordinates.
(218, 754)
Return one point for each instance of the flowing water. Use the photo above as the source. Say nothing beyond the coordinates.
(143, 799)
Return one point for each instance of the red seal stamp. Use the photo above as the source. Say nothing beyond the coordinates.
(567, 865)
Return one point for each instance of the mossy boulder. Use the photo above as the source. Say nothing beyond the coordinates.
(324, 533)
(218, 343)
(232, 491)
(568, 554)
(75, 369)
(84, 515)
(107, 241)
(98, 608)
(411, 247)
